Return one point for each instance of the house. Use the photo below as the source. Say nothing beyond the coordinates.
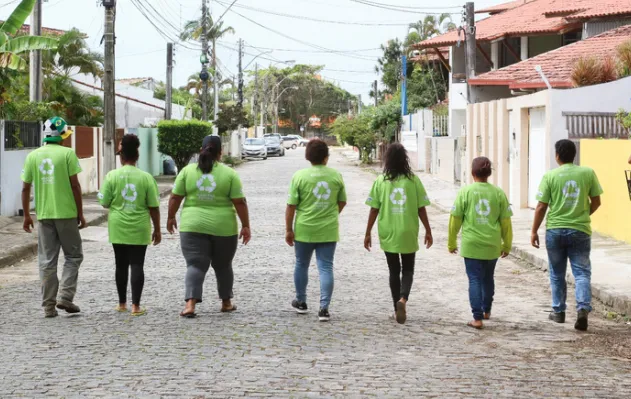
(514, 32)
(143, 83)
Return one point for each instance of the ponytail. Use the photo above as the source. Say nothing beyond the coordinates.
(208, 157)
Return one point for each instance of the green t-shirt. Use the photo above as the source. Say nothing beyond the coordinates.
(129, 192)
(208, 207)
(315, 192)
(567, 190)
(398, 203)
(481, 206)
(50, 168)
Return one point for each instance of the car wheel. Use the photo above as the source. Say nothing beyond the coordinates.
(293, 147)
(264, 158)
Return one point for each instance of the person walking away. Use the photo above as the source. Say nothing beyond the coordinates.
(316, 198)
(53, 169)
(398, 199)
(132, 198)
(483, 213)
(213, 197)
(572, 193)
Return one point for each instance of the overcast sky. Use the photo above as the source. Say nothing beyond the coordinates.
(141, 49)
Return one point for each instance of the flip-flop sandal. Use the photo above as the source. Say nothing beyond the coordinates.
(232, 309)
(188, 315)
(142, 312)
(470, 324)
(120, 310)
(487, 316)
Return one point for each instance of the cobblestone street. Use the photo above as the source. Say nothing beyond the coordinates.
(267, 350)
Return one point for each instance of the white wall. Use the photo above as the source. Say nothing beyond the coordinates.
(10, 180)
(88, 177)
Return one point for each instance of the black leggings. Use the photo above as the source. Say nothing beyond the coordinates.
(130, 256)
(400, 286)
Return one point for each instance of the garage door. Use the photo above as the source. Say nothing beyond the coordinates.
(536, 153)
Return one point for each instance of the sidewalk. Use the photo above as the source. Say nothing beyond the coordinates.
(611, 259)
(17, 244)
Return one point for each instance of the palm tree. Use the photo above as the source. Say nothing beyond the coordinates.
(431, 26)
(193, 31)
(73, 55)
(12, 46)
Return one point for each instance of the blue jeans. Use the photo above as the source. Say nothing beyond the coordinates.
(481, 285)
(325, 253)
(564, 244)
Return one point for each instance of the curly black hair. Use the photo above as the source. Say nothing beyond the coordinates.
(317, 152)
(129, 147)
(566, 150)
(397, 163)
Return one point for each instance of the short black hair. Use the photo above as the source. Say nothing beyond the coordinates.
(482, 167)
(566, 150)
(129, 147)
(317, 151)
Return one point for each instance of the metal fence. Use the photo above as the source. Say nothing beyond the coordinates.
(593, 125)
(18, 135)
(441, 126)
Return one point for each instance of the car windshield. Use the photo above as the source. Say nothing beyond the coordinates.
(271, 141)
(254, 142)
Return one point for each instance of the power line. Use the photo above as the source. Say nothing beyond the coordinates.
(393, 7)
(303, 18)
(315, 51)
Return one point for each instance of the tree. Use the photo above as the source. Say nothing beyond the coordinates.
(12, 47)
(78, 107)
(230, 118)
(182, 139)
(389, 65)
(431, 26)
(72, 55)
(426, 87)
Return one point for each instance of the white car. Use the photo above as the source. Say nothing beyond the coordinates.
(290, 142)
(254, 148)
(300, 141)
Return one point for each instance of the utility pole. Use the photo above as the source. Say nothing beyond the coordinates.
(359, 104)
(470, 47)
(376, 91)
(169, 98)
(264, 103)
(204, 60)
(109, 89)
(35, 82)
(240, 91)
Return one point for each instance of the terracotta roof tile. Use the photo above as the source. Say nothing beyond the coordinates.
(502, 7)
(557, 65)
(586, 9)
(25, 29)
(523, 20)
(430, 55)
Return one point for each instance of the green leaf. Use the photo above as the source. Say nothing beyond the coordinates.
(12, 61)
(28, 43)
(18, 17)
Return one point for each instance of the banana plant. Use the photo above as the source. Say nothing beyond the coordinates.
(12, 47)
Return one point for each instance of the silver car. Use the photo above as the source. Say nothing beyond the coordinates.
(254, 148)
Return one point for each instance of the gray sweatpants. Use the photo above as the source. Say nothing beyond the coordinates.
(200, 252)
(56, 234)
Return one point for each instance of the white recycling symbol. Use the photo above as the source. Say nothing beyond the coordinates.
(571, 189)
(403, 198)
(483, 207)
(47, 167)
(212, 185)
(322, 195)
(129, 192)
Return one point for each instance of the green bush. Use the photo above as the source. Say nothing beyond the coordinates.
(182, 139)
(231, 161)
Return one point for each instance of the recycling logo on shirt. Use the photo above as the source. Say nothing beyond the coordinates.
(100, 195)
(47, 167)
(322, 191)
(207, 187)
(129, 192)
(483, 207)
(398, 197)
(571, 189)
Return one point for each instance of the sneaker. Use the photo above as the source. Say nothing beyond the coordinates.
(581, 321)
(68, 306)
(557, 317)
(300, 307)
(324, 315)
(50, 313)
(401, 314)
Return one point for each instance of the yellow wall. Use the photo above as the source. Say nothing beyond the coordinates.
(609, 158)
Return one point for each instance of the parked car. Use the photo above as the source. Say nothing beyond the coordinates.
(276, 135)
(254, 148)
(274, 147)
(290, 142)
(301, 141)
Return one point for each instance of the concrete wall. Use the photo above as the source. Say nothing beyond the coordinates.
(10, 180)
(608, 158)
(150, 159)
(442, 155)
(88, 177)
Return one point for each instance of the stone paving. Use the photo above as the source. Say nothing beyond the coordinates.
(266, 350)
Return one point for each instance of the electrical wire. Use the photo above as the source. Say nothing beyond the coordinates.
(8, 4)
(303, 18)
(393, 7)
(315, 51)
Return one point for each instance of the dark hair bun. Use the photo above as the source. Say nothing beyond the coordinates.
(482, 167)
(129, 147)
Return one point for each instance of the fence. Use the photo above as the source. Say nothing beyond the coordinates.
(18, 135)
(593, 125)
(441, 126)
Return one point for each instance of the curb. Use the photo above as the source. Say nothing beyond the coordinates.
(28, 250)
